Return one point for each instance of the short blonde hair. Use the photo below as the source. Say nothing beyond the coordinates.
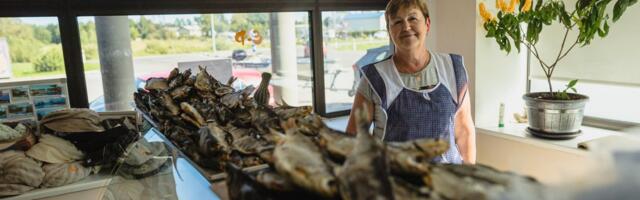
(394, 5)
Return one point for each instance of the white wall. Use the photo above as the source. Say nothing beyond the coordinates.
(494, 76)
(432, 43)
(609, 60)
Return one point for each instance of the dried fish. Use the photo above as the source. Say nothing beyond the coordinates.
(274, 181)
(402, 161)
(263, 119)
(208, 144)
(407, 162)
(193, 112)
(180, 79)
(265, 153)
(405, 190)
(299, 159)
(156, 84)
(428, 146)
(204, 81)
(173, 74)
(285, 111)
(337, 144)
(478, 182)
(365, 173)
(191, 81)
(169, 104)
(231, 80)
(223, 90)
(180, 92)
(189, 119)
(235, 99)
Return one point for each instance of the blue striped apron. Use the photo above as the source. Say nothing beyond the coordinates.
(406, 114)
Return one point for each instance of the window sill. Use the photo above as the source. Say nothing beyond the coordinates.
(519, 131)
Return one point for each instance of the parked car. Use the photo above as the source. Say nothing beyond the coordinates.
(245, 77)
(373, 55)
(239, 54)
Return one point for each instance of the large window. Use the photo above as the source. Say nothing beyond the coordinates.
(32, 68)
(352, 39)
(607, 69)
(155, 44)
(30, 48)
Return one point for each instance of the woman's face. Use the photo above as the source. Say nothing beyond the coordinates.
(408, 28)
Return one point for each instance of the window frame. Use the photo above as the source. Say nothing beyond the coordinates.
(318, 58)
(68, 11)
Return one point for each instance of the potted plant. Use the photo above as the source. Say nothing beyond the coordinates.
(556, 114)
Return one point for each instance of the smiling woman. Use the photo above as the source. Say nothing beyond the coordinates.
(417, 93)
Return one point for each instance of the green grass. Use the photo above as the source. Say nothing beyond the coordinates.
(24, 70)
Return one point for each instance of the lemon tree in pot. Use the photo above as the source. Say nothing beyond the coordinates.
(555, 114)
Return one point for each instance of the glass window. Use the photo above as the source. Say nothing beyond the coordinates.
(30, 48)
(606, 69)
(352, 39)
(32, 68)
(155, 44)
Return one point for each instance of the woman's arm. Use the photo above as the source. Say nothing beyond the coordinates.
(358, 102)
(465, 132)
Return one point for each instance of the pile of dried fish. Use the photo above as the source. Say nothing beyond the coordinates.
(327, 164)
(221, 128)
(213, 123)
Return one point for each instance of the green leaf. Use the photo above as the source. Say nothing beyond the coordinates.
(538, 5)
(619, 8)
(566, 19)
(572, 83)
(604, 31)
(507, 45)
(574, 90)
(561, 95)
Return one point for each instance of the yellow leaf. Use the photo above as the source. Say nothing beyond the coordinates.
(500, 5)
(527, 5)
(486, 15)
(512, 6)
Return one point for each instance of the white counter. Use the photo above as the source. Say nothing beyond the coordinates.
(519, 130)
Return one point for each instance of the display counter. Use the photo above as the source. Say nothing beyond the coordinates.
(551, 162)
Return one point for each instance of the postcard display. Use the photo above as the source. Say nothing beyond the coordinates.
(32, 100)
